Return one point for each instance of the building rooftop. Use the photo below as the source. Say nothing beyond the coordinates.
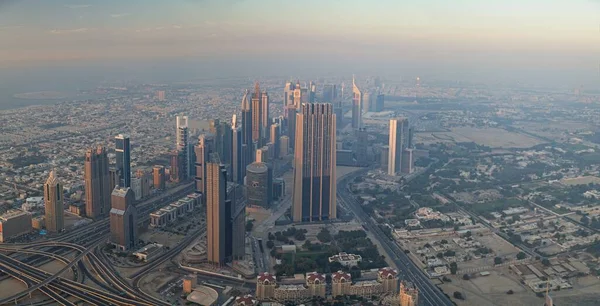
(341, 275)
(11, 214)
(387, 272)
(257, 167)
(245, 300)
(120, 192)
(366, 283)
(292, 287)
(159, 212)
(314, 277)
(266, 276)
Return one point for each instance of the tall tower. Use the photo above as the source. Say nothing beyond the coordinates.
(123, 152)
(275, 134)
(356, 106)
(206, 146)
(158, 174)
(237, 152)
(53, 202)
(314, 197)
(288, 97)
(291, 128)
(256, 115)
(123, 219)
(312, 92)
(397, 143)
(97, 186)
(246, 127)
(216, 218)
(264, 117)
(183, 147)
(297, 96)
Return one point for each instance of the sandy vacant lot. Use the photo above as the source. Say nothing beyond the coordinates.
(495, 138)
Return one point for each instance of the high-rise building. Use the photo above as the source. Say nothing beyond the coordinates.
(362, 141)
(160, 95)
(380, 103)
(407, 161)
(262, 155)
(54, 204)
(123, 219)
(275, 139)
(238, 230)
(226, 139)
(123, 153)
(176, 169)
(385, 155)
(259, 182)
(265, 122)
(366, 105)
(257, 115)
(409, 295)
(329, 93)
(247, 143)
(312, 92)
(144, 178)
(216, 218)
(288, 97)
(114, 177)
(356, 106)
(237, 152)
(206, 146)
(397, 143)
(158, 176)
(297, 96)
(97, 184)
(411, 131)
(314, 196)
(284, 145)
(183, 147)
(291, 128)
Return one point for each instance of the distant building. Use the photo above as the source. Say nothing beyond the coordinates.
(284, 145)
(407, 161)
(97, 184)
(206, 146)
(385, 152)
(259, 180)
(14, 223)
(357, 100)
(123, 219)
(274, 139)
(54, 204)
(237, 158)
(409, 295)
(380, 103)
(216, 211)
(183, 148)
(362, 142)
(291, 127)
(158, 176)
(160, 95)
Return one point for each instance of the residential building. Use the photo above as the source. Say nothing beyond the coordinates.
(123, 219)
(54, 204)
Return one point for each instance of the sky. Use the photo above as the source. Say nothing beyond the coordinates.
(502, 34)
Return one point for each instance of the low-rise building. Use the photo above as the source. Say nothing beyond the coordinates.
(246, 300)
(158, 218)
(149, 252)
(189, 283)
(14, 223)
(347, 260)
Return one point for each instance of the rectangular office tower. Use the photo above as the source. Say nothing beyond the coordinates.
(275, 134)
(216, 214)
(97, 183)
(123, 153)
(182, 147)
(356, 106)
(206, 146)
(237, 152)
(398, 142)
(123, 219)
(314, 197)
(54, 204)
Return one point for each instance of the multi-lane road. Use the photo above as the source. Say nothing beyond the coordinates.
(430, 295)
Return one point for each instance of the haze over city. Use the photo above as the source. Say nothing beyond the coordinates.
(269, 152)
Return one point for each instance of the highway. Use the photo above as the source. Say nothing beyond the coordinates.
(430, 295)
(22, 257)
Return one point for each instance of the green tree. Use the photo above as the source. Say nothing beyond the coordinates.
(270, 244)
(249, 225)
(453, 268)
(497, 260)
(521, 255)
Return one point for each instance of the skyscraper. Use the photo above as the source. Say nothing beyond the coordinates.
(216, 194)
(183, 147)
(259, 184)
(356, 106)
(123, 152)
(257, 115)
(397, 143)
(158, 175)
(312, 92)
(288, 97)
(206, 146)
(366, 98)
(97, 186)
(380, 103)
(275, 139)
(247, 144)
(265, 122)
(226, 139)
(123, 219)
(329, 93)
(297, 97)
(237, 152)
(291, 128)
(362, 141)
(54, 205)
(314, 195)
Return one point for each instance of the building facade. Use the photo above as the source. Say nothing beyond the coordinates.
(54, 204)
(97, 184)
(356, 106)
(409, 295)
(183, 148)
(123, 219)
(259, 182)
(14, 223)
(398, 141)
(216, 223)
(123, 158)
(314, 197)
(158, 177)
